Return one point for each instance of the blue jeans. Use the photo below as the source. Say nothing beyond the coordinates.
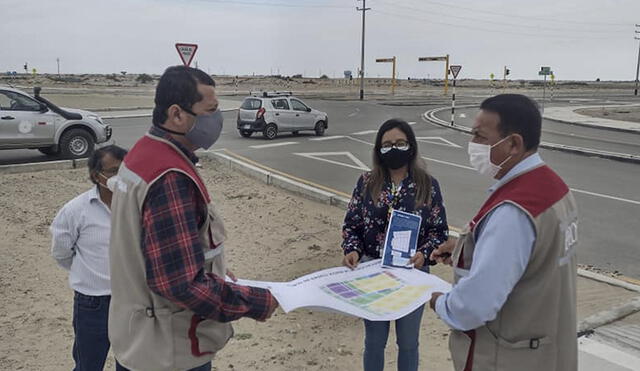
(91, 343)
(407, 334)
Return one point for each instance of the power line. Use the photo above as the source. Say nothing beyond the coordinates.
(283, 5)
(537, 27)
(474, 28)
(491, 12)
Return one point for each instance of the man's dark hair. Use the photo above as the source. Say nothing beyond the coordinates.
(95, 161)
(518, 115)
(178, 85)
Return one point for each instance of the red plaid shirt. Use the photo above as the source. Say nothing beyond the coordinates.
(172, 213)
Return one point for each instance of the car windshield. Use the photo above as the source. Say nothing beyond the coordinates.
(251, 104)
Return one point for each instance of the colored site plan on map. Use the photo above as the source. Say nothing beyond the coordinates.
(369, 291)
(380, 293)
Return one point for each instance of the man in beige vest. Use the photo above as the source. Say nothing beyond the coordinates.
(170, 306)
(513, 305)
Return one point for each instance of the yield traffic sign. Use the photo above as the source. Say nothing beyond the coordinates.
(455, 70)
(186, 52)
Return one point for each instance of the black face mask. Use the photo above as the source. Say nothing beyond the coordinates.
(395, 158)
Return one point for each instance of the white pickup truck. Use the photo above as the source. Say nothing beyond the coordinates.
(28, 122)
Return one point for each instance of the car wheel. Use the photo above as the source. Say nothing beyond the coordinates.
(76, 143)
(320, 128)
(49, 151)
(245, 133)
(270, 131)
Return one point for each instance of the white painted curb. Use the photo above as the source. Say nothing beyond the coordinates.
(278, 180)
(43, 166)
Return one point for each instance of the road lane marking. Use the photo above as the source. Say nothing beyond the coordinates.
(359, 165)
(273, 145)
(354, 113)
(448, 163)
(595, 194)
(365, 132)
(267, 168)
(327, 138)
(634, 202)
(438, 141)
(359, 140)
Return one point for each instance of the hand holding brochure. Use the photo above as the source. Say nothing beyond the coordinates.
(401, 241)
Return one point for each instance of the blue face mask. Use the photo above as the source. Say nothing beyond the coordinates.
(205, 131)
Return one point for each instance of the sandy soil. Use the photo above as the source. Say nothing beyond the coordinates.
(273, 236)
(613, 113)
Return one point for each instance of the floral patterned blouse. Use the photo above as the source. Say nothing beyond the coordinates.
(365, 223)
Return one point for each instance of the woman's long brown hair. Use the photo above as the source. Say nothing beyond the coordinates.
(417, 167)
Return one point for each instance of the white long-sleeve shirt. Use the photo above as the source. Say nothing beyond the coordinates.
(80, 243)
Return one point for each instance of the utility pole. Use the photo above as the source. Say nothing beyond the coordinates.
(58, 60)
(363, 10)
(635, 92)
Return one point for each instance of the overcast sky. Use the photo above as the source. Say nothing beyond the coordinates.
(579, 39)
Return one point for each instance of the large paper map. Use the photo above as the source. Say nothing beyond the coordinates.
(369, 291)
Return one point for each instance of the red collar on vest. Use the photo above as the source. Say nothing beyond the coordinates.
(151, 157)
(535, 191)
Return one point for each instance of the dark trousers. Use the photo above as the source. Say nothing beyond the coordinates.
(90, 319)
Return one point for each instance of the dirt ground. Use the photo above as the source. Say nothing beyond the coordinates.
(272, 236)
(613, 113)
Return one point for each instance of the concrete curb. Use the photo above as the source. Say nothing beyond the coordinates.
(623, 130)
(430, 116)
(608, 280)
(278, 180)
(609, 316)
(108, 109)
(43, 166)
(138, 115)
(126, 116)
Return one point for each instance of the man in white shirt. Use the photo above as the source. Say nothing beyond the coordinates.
(80, 244)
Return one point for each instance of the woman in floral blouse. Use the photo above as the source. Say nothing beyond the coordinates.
(397, 181)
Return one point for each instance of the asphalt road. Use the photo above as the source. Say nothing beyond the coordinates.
(573, 135)
(606, 190)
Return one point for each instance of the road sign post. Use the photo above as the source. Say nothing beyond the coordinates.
(446, 71)
(186, 52)
(393, 72)
(455, 70)
(544, 71)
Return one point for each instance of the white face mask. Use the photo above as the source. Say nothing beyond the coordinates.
(480, 158)
(111, 182)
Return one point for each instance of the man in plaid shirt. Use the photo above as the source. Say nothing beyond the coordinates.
(180, 237)
(172, 214)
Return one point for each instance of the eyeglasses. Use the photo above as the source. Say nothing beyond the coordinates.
(109, 173)
(400, 145)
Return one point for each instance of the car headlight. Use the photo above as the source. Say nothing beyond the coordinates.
(96, 117)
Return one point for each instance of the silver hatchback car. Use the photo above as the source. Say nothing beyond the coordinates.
(271, 113)
(35, 123)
